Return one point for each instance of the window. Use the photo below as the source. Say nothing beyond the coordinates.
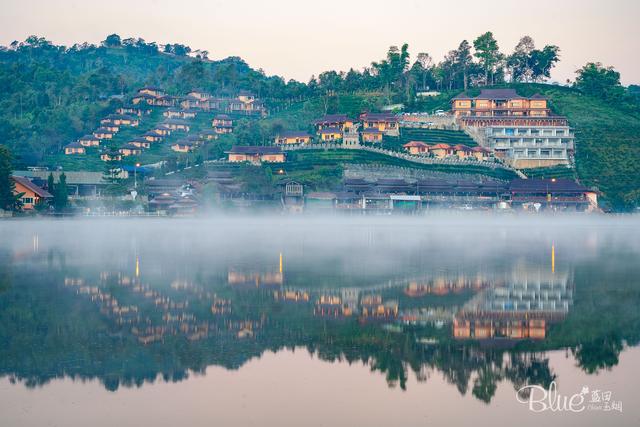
(27, 200)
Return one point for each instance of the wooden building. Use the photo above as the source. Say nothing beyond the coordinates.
(30, 193)
(89, 141)
(372, 134)
(74, 148)
(416, 147)
(256, 154)
(292, 137)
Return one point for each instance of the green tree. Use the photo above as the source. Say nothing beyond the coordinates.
(61, 194)
(8, 199)
(463, 61)
(602, 82)
(488, 53)
(112, 40)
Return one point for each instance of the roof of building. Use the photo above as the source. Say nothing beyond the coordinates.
(131, 147)
(415, 144)
(331, 130)
(184, 142)
(321, 195)
(73, 177)
(498, 94)
(294, 134)
(103, 130)
(388, 117)
(440, 146)
(256, 149)
(537, 96)
(461, 147)
(221, 117)
(546, 186)
(462, 95)
(41, 192)
(332, 118)
(154, 88)
(373, 131)
(144, 95)
(74, 144)
(87, 138)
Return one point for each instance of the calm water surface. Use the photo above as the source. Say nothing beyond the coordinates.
(321, 322)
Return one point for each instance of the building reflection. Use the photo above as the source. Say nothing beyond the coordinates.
(523, 307)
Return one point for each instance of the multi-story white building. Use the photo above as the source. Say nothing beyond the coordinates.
(532, 146)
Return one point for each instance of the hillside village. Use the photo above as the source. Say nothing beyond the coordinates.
(394, 137)
(486, 143)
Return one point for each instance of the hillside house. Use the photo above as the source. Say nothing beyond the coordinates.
(372, 134)
(481, 154)
(256, 154)
(31, 194)
(462, 151)
(174, 113)
(292, 137)
(89, 141)
(143, 98)
(200, 94)
(384, 122)
(132, 110)
(130, 150)
(208, 135)
(416, 147)
(176, 124)
(152, 136)
(120, 120)
(192, 102)
(222, 124)
(441, 150)
(499, 102)
(103, 133)
(140, 142)
(183, 146)
(340, 121)
(246, 103)
(162, 130)
(152, 90)
(111, 156)
(330, 134)
(74, 148)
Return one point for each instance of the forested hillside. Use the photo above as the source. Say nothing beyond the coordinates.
(51, 95)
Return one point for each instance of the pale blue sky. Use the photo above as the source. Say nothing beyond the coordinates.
(299, 38)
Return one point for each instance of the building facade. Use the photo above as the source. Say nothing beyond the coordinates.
(532, 146)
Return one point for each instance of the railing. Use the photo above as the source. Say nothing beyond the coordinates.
(404, 156)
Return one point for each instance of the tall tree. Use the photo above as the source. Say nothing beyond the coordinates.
(61, 195)
(519, 61)
(463, 61)
(488, 53)
(8, 198)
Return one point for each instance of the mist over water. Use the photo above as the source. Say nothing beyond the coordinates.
(459, 310)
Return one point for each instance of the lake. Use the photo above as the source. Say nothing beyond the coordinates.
(290, 321)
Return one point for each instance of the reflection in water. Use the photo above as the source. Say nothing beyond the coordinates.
(129, 309)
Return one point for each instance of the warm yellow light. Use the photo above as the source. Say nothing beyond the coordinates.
(553, 180)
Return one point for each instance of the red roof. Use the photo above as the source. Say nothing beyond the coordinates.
(41, 192)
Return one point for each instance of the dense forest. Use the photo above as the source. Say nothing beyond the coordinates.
(54, 94)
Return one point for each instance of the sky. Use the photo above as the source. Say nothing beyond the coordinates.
(299, 38)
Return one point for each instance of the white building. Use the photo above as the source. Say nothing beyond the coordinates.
(532, 146)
